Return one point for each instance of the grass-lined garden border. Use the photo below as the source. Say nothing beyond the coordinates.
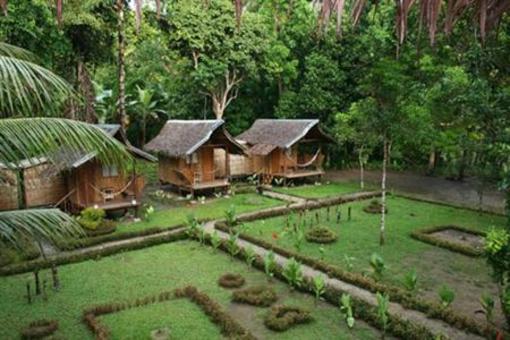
(424, 235)
(39, 329)
(282, 317)
(58, 260)
(229, 327)
(396, 294)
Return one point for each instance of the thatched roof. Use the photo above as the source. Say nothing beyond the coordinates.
(267, 134)
(75, 158)
(180, 138)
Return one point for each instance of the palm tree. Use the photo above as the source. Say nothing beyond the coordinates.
(28, 90)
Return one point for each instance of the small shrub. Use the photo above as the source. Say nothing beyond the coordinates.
(39, 329)
(148, 211)
(346, 309)
(293, 273)
(321, 235)
(298, 239)
(446, 295)
(281, 318)
(378, 266)
(411, 281)
(257, 296)
(91, 218)
(229, 280)
(192, 225)
(230, 216)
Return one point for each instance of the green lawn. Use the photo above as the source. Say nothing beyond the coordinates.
(321, 190)
(212, 208)
(359, 239)
(134, 274)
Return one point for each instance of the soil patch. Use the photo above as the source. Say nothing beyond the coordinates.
(461, 237)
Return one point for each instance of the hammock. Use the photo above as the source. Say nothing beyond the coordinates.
(307, 164)
(112, 195)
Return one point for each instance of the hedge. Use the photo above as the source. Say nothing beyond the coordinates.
(39, 329)
(424, 235)
(87, 255)
(396, 294)
(281, 318)
(229, 327)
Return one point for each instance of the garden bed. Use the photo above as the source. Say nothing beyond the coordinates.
(452, 237)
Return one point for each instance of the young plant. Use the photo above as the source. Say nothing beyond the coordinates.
(232, 247)
(446, 295)
(148, 212)
(269, 264)
(411, 281)
(378, 266)
(322, 251)
(230, 216)
(201, 234)
(346, 309)
(383, 302)
(192, 225)
(215, 240)
(293, 273)
(250, 255)
(299, 237)
(487, 303)
(349, 262)
(319, 286)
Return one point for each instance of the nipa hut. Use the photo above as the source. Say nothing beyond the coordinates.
(89, 183)
(286, 149)
(80, 181)
(186, 151)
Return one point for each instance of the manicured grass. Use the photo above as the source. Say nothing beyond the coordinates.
(130, 275)
(321, 190)
(212, 208)
(183, 318)
(359, 239)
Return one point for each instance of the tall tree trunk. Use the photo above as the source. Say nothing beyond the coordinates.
(86, 88)
(361, 168)
(432, 162)
(121, 61)
(383, 192)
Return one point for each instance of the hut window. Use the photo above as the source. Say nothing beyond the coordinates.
(110, 171)
(192, 159)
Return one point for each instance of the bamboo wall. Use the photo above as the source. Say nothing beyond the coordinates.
(8, 190)
(239, 165)
(42, 189)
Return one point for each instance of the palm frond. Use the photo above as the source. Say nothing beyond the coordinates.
(49, 225)
(27, 88)
(26, 138)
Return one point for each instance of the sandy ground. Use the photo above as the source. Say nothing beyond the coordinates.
(432, 188)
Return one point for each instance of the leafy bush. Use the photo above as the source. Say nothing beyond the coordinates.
(321, 235)
(281, 318)
(192, 225)
(346, 309)
(378, 266)
(446, 295)
(257, 296)
(91, 218)
(293, 273)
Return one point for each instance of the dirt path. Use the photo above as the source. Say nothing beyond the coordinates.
(431, 188)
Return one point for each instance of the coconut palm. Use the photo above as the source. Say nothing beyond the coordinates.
(27, 90)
